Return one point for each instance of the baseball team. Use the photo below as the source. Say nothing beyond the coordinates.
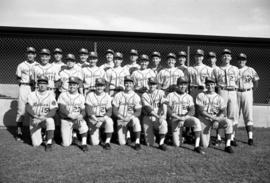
(95, 101)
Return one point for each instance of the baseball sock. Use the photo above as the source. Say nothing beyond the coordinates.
(50, 134)
(228, 140)
(128, 134)
(218, 136)
(197, 138)
(84, 138)
(19, 127)
(232, 136)
(162, 138)
(250, 134)
(137, 135)
(108, 137)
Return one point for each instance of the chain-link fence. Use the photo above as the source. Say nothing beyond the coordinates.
(13, 46)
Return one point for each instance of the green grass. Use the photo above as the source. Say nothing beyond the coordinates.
(20, 162)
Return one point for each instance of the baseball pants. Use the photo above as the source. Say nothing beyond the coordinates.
(245, 105)
(24, 91)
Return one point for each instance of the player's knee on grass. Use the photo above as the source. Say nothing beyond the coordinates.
(50, 125)
(36, 138)
(205, 139)
(136, 124)
(108, 125)
(83, 128)
(228, 125)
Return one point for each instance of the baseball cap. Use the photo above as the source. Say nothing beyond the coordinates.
(199, 52)
(118, 55)
(209, 80)
(152, 81)
(171, 55)
(182, 54)
(156, 54)
(181, 80)
(30, 50)
(71, 57)
(227, 51)
(128, 78)
(144, 57)
(83, 51)
(133, 52)
(212, 54)
(45, 51)
(109, 51)
(242, 56)
(73, 79)
(42, 79)
(100, 82)
(93, 54)
(57, 50)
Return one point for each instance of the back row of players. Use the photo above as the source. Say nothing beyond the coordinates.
(234, 85)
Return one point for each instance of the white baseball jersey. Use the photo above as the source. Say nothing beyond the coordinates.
(58, 66)
(211, 103)
(140, 77)
(47, 70)
(24, 71)
(74, 102)
(168, 77)
(247, 76)
(42, 103)
(132, 67)
(154, 100)
(198, 74)
(99, 104)
(90, 74)
(115, 76)
(179, 104)
(227, 77)
(66, 74)
(127, 103)
(107, 66)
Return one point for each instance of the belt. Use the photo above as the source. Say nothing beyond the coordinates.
(244, 90)
(228, 89)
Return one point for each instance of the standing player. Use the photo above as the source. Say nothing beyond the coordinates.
(115, 76)
(41, 106)
(156, 59)
(72, 112)
(58, 56)
(109, 63)
(83, 57)
(248, 80)
(212, 60)
(127, 108)
(181, 110)
(155, 108)
(23, 74)
(99, 111)
(182, 58)
(141, 76)
(167, 78)
(212, 108)
(227, 78)
(133, 66)
(91, 73)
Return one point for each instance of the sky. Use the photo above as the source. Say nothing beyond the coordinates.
(239, 18)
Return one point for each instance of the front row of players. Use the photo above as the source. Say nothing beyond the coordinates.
(157, 112)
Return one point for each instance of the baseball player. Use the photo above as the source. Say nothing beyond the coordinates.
(72, 112)
(115, 76)
(141, 76)
(83, 57)
(109, 63)
(132, 66)
(91, 73)
(212, 108)
(182, 58)
(156, 59)
(167, 77)
(181, 110)
(127, 108)
(58, 56)
(155, 107)
(212, 60)
(227, 78)
(41, 106)
(198, 73)
(23, 74)
(69, 71)
(99, 111)
(45, 68)
(247, 81)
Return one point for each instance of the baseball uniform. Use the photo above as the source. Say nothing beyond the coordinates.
(132, 67)
(59, 66)
(65, 74)
(140, 78)
(107, 66)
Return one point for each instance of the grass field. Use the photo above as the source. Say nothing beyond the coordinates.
(20, 162)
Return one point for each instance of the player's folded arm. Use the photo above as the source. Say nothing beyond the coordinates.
(51, 113)
(30, 110)
(203, 112)
(63, 110)
(191, 110)
(108, 112)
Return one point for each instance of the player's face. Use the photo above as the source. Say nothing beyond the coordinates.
(182, 87)
(198, 59)
(242, 63)
(210, 87)
(156, 60)
(58, 57)
(100, 88)
(70, 63)
(93, 61)
(45, 59)
(182, 60)
(42, 86)
(212, 60)
(152, 87)
(171, 62)
(109, 57)
(226, 58)
(73, 87)
(118, 62)
(31, 56)
(144, 64)
(84, 57)
(133, 58)
(128, 85)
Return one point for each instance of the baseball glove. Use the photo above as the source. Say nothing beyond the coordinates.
(146, 110)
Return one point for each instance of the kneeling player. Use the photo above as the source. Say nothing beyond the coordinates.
(41, 106)
(155, 109)
(72, 112)
(211, 108)
(99, 111)
(127, 108)
(181, 110)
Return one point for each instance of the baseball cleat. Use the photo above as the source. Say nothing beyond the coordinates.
(250, 142)
(84, 148)
(162, 147)
(48, 147)
(199, 150)
(233, 143)
(107, 146)
(137, 147)
(19, 137)
(129, 142)
(228, 149)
